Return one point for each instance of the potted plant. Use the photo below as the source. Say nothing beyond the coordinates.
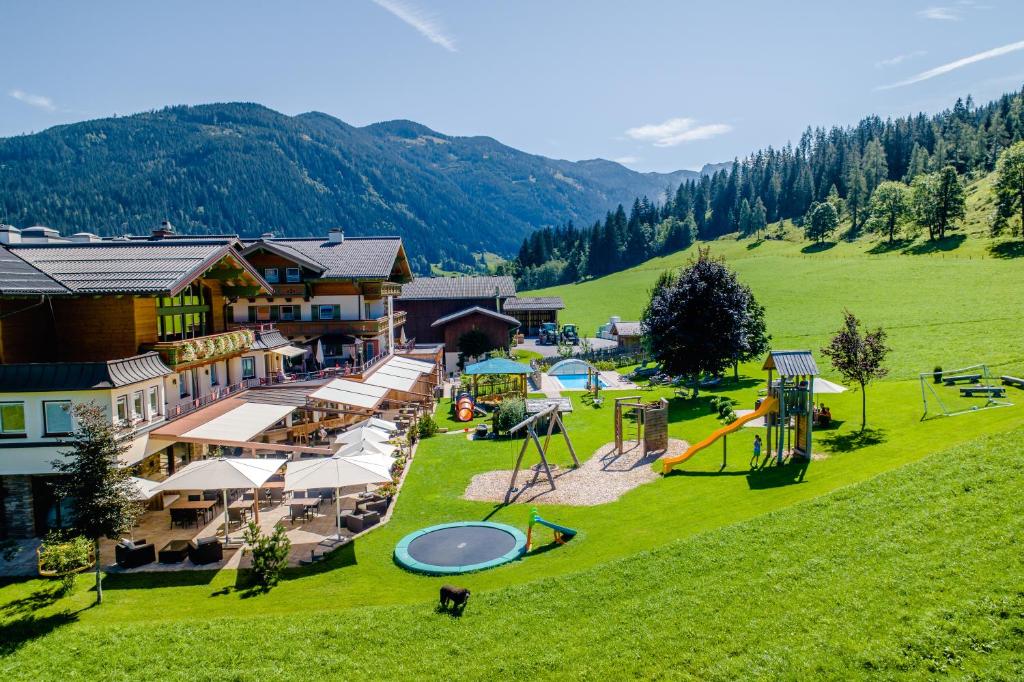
(64, 558)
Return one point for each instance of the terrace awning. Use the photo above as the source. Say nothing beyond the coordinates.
(826, 386)
(332, 472)
(363, 434)
(290, 351)
(240, 424)
(348, 392)
(349, 449)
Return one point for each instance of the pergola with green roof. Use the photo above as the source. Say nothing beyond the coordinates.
(515, 373)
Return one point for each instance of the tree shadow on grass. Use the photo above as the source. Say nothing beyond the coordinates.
(949, 243)
(887, 246)
(754, 244)
(818, 247)
(854, 440)
(144, 580)
(769, 475)
(1007, 249)
(16, 633)
(39, 599)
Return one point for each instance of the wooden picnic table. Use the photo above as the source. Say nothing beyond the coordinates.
(1013, 381)
(949, 381)
(199, 506)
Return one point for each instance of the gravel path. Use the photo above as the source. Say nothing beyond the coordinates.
(603, 478)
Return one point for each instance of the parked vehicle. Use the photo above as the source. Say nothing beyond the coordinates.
(570, 334)
(548, 335)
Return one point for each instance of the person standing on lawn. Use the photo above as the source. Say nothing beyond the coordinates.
(757, 451)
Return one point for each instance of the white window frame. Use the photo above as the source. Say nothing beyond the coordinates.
(252, 360)
(138, 405)
(121, 409)
(272, 279)
(184, 379)
(290, 278)
(153, 397)
(14, 433)
(320, 311)
(214, 380)
(291, 313)
(47, 432)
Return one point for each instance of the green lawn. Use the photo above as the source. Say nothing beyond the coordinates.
(854, 564)
(915, 573)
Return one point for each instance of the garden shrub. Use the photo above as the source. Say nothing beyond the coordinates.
(426, 427)
(269, 554)
(64, 556)
(508, 413)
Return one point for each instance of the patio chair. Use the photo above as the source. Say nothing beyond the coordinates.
(182, 517)
(132, 554)
(297, 511)
(236, 517)
(195, 498)
(249, 496)
(276, 495)
(211, 496)
(205, 550)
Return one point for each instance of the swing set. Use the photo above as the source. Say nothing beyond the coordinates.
(553, 415)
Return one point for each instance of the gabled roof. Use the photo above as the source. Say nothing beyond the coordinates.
(153, 267)
(81, 376)
(791, 363)
(475, 310)
(426, 288)
(353, 258)
(627, 329)
(19, 278)
(533, 303)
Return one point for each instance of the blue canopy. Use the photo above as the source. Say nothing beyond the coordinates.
(498, 366)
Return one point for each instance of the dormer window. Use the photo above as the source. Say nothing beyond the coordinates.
(272, 275)
(293, 275)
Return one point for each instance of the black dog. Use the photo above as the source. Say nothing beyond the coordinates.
(456, 597)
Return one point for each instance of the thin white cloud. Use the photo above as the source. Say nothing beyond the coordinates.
(37, 101)
(899, 59)
(626, 160)
(958, 64)
(940, 13)
(427, 25)
(676, 131)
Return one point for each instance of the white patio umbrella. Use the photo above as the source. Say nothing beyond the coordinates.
(349, 449)
(380, 464)
(319, 357)
(382, 424)
(144, 488)
(221, 474)
(363, 434)
(332, 472)
(826, 386)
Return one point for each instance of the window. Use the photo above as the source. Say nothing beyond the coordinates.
(122, 409)
(263, 313)
(289, 312)
(271, 275)
(12, 419)
(368, 311)
(183, 316)
(213, 375)
(138, 406)
(248, 367)
(57, 418)
(293, 275)
(183, 380)
(154, 401)
(325, 312)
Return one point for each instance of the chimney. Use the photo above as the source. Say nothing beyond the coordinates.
(9, 234)
(336, 236)
(165, 230)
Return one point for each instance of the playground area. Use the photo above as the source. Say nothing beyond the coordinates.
(604, 477)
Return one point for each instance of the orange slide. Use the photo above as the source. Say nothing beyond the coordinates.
(767, 405)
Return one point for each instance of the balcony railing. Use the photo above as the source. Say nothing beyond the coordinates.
(373, 327)
(203, 348)
(181, 409)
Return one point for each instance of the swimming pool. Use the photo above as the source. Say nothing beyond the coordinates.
(576, 382)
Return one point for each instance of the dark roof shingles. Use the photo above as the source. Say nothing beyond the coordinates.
(18, 277)
(426, 288)
(81, 376)
(369, 257)
(534, 303)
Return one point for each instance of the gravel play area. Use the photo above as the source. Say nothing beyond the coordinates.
(602, 478)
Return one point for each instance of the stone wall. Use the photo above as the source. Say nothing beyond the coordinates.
(18, 517)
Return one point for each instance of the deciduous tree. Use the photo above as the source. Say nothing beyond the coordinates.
(858, 357)
(889, 207)
(1010, 187)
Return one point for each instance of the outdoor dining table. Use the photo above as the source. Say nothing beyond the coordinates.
(199, 506)
(247, 505)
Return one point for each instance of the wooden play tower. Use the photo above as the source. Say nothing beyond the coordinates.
(790, 428)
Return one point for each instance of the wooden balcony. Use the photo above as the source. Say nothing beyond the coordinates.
(361, 328)
(202, 349)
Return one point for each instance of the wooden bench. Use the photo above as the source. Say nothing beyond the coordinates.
(969, 378)
(991, 391)
(1013, 381)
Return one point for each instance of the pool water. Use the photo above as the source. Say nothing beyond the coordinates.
(577, 382)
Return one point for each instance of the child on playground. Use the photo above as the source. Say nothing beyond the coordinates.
(757, 450)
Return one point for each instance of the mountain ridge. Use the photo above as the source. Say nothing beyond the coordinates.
(245, 168)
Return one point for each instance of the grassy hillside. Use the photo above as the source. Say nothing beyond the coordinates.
(927, 580)
(954, 303)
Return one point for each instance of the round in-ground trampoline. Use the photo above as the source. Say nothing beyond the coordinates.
(461, 547)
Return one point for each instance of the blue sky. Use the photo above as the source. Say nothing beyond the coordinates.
(657, 85)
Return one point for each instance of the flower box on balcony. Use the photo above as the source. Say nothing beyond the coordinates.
(211, 347)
